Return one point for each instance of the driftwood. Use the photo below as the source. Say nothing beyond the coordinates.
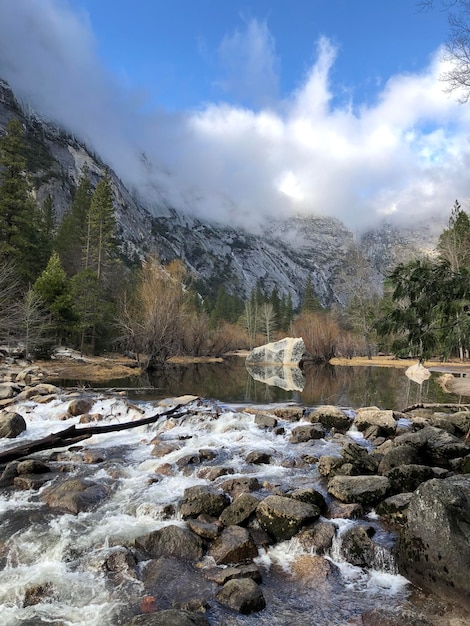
(437, 405)
(72, 435)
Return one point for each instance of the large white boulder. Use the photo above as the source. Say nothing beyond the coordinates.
(287, 351)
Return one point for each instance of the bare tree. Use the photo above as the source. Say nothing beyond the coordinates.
(9, 297)
(267, 318)
(457, 48)
(34, 322)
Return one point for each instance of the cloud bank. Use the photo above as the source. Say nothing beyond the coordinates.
(405, 155)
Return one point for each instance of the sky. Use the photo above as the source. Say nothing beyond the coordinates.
(245, 111)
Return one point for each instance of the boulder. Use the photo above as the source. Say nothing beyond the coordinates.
(242, 595)
(221, 575)
(434, 545)
(330, 417)
(258, 457)
(318, 538)
(408, 477)
(303, 433)
(365, 490)
(329, 465)
(434, 445)
(80, 406)
(395, 508)
(383, 421)
(203, 499)
(396, 456)
(171, 541)
(236, 486)
(314, 570)
(357, 546)
(309, 495)
(170, 617)
(11, 425)
(234, 545)
(75, 495)
(265, 421)
(240, 510)
(359, 458)
(9, 390)
(283, 517)
(206, 530)
(289, 350)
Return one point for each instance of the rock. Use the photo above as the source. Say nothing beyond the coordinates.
(404, 617)
(283, 517)
(329, 465)
(460, 420)
(312, 569)
(303, 433)
(203, 499)
(434, 445)
(241, 509)
(408, 477)
(265, 421)
(176, 583)
(330, 417)
(170, 617)
(383, 421)
(234, 545)
(434, 546)
(357, 547)
(258, 457)
(9, 390)
(212, 473)
(289, 413)
(395, 508)
(221, 575)
(365, 490)
(206, 530)
(242, 595)
(359, 458)
(162, 448)
(311, 496)
(80, 406)
(38, 594)
(235, 486)
(396, 456)
(11, 425)
(319, 537)
(75, 495)
(121, 560)
(171, 541)
(345, 511)
(289, 350)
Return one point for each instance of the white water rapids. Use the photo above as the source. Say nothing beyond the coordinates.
(63, 554)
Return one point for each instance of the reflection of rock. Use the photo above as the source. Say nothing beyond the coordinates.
(417, 373)
(289, 350)
(286, 377)
(451, 384)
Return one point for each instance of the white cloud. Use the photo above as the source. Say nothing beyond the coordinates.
(405, 155)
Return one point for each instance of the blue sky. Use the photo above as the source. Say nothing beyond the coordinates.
(249, 110)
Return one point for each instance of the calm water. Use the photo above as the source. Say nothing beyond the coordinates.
(387, 388)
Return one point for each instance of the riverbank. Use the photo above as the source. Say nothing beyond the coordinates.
(452, 365)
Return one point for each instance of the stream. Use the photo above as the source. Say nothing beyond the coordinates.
(52, 563)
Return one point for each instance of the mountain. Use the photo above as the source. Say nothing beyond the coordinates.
(284, 255)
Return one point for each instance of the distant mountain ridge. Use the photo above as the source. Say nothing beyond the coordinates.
(283, 256)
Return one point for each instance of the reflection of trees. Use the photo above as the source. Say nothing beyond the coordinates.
(321, 385)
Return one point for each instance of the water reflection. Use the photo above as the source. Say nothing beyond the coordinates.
(387, 388)
(287, 377)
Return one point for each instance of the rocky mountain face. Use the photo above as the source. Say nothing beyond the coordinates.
(284, 255)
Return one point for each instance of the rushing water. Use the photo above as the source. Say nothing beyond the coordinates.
(64, 554)
(385, 387)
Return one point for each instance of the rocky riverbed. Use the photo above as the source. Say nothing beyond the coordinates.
(231, 515)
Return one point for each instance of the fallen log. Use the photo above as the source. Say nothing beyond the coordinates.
(437, 405)
(72, 435)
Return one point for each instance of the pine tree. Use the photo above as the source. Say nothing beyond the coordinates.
(21, 236)
(100, 239)
(310, 302)
(70, 237)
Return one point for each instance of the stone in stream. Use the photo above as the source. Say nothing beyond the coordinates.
(176, 583)
(357, 546)
(434, 545)
(395, 508)
(258, 457)
(221, 575)
(203, 499)
(311, 496)
(80, 406)
(75, 495)
(396, 456)
(319, 537)
(241, 509)
(169, 617)
(359, 458)
(283, 517)
(303, 433)
(330, 417)
(364, 490)
(11, 425)
(384, 421)
(234, 545)
(236, 486)
(408, 477)
(242, 595)
(434, 445)
(171, 541)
